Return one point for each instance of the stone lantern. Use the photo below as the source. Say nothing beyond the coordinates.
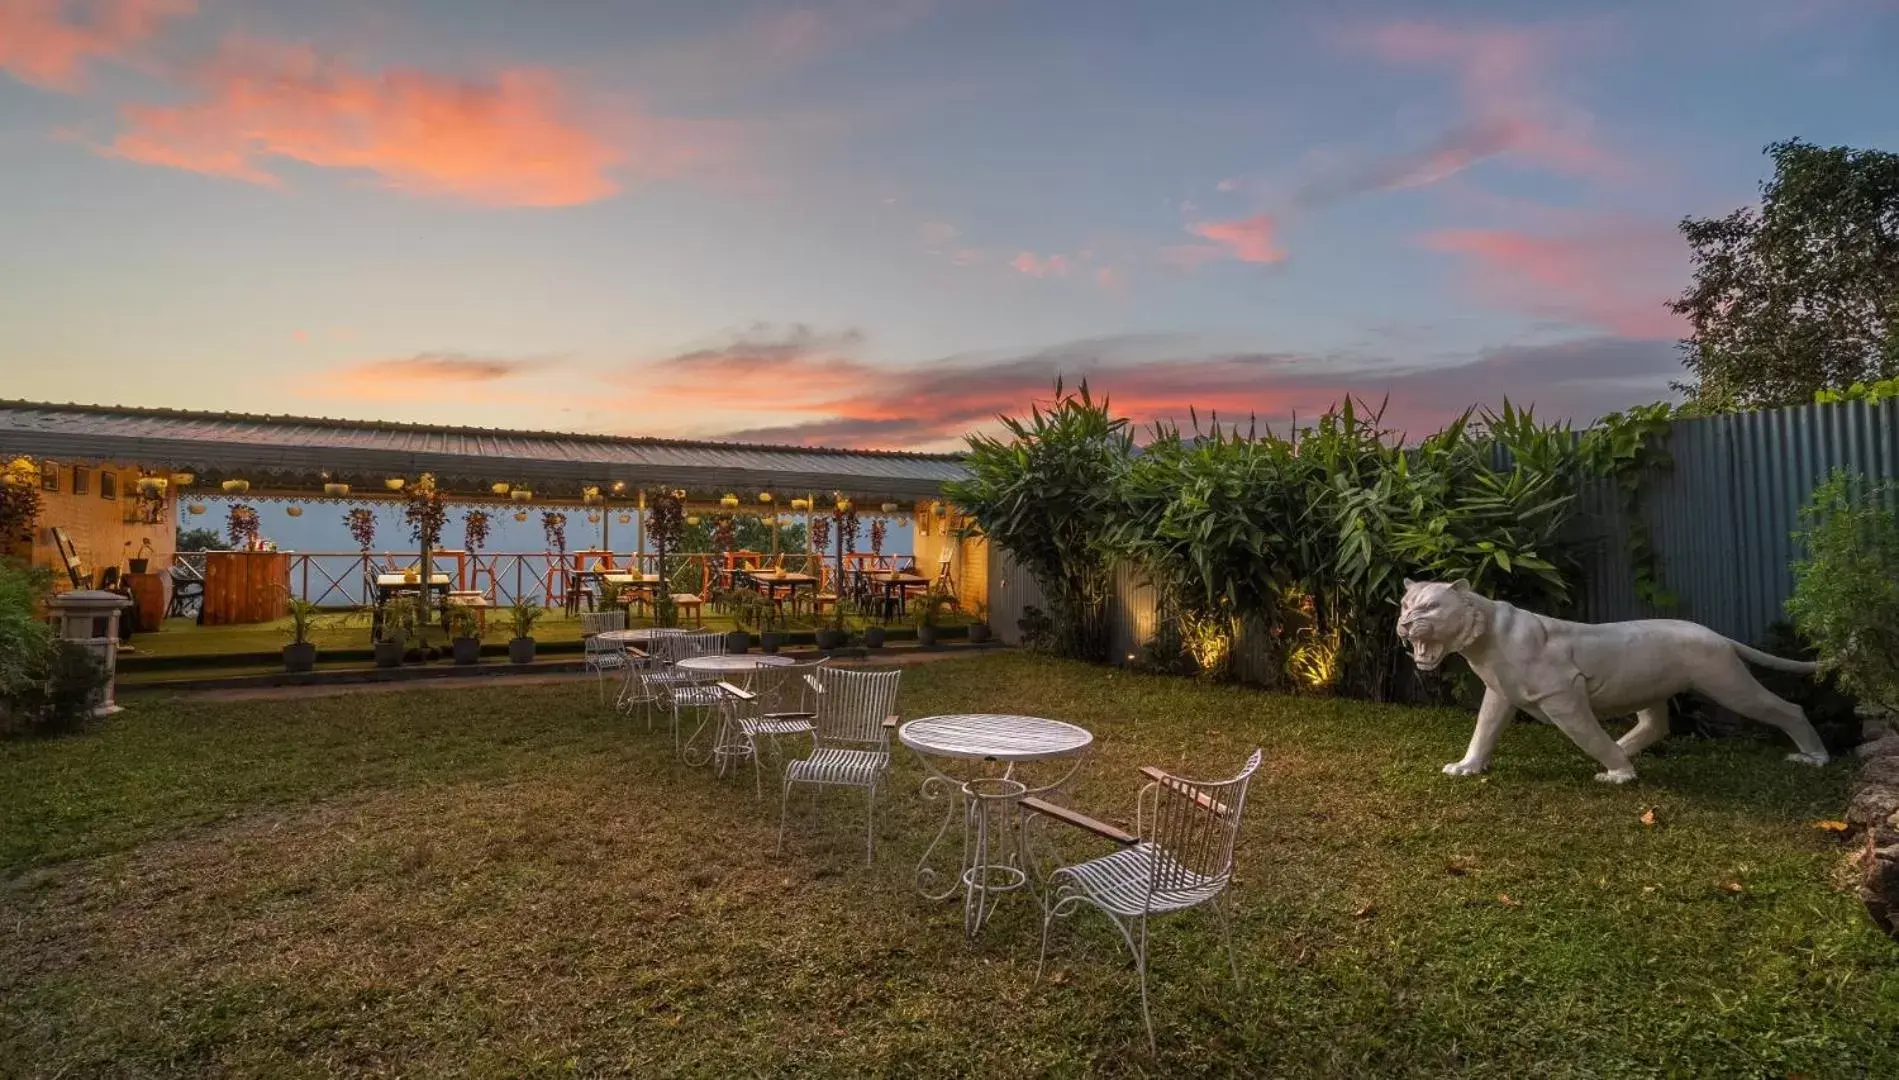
(89, 618)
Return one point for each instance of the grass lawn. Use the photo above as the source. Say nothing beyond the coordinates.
(516, 882)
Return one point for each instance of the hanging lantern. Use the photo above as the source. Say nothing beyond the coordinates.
(593, 517)
(499, 489)
(590, 496)
(520, 515)
(843, 505)
(336, 491)
(619, 487)
(293, 511)
(151, 485)
(764, 496)
(730, 502)
(769, 519)
(182, 479)
(692, 519)
(890, 508)
(236, 487)
(196, 508)
(801, 504)
(394, 483)
(626, 519)
(520, 495)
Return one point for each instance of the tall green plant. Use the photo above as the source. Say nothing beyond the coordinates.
(1046, 495)
(1846, 589)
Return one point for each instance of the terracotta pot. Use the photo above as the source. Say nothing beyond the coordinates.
(300, 657)
(521, 650)
(467, 650)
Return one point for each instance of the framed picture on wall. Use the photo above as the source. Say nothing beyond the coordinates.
(49, 476)
(108, 484)
(82, 480)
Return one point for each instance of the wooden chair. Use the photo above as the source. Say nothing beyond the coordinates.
(1182, 857)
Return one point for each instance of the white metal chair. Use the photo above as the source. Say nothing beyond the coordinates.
(850, 741)
(675, 688)
(637, 690)
(602, 656)
(1180, 856)
(765, 704)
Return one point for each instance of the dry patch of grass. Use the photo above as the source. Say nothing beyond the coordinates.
(514, 882)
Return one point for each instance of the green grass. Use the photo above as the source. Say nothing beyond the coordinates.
(515, 882)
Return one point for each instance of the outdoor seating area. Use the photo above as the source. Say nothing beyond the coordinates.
(448, 880)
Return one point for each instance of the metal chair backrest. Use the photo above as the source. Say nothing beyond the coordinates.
(673, 648)
(1194, 823)
(791, 688)
(594, 622)
(851, 706)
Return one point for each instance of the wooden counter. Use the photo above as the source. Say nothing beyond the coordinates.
(245, 586)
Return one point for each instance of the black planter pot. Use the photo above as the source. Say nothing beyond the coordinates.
(832, 640)
(467, 650)
(926, 636)
(137, 566)
(521, 650)
(300, 656)
(737, 642)
(771, 641)
(389, 654)
(978, 633)
(873, 637)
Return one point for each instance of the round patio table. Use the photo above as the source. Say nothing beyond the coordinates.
(727, 664)
(991, 804)
(725, 748)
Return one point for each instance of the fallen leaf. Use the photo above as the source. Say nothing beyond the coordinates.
(1504, 899)
(1830, 825)
(1648, 816)
(1734, 887)
(1365, 912)
(1060, 977)
(1458, 866)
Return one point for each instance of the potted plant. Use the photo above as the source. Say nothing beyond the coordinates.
(392, 639)
(978, 629)
(464, 631)
(874, 634)
(771, 629)
(932, 608)
(744, 605)
(300, 654)
(142, 560)
(522, 616)
(834, 635)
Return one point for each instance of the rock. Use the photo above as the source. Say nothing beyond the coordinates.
(1880, 772)
(1872, 805)
(1874, 722)
(1879, 889)
(1885, 747)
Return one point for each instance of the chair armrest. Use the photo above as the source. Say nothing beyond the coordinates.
(891, 722)
(1159, 777)
(742, 695)
(636, 652)
(791, 716)
(1079, 820)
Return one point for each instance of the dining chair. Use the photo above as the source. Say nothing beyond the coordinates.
(850, 745)
(600, 656)
(1179, 856)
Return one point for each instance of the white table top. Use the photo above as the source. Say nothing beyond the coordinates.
(734, 663)
(397, 580)
(627, 637)
(994, 737)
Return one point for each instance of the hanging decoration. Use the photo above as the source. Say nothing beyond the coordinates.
(877, 529)
(692, 520)
(843, 504)
(182, 479)
(499, 488)
(801, 504)
(394, 483)
(847, 528)
(764, 497)
(665, 525)
(520, 495)
(729, 501)
(725, 533)
(195, 508)
(820, 533)
(554, 526)
(362, 527)
(426, 512)
(240, 523)
(619, 487)
(336, 491)
(293, 510)
(20, 503)
(152, 486)
(593, 517)
(474, 530)
(626, 518)
(520, 515)
(236, 487)
(890, 508)
(590, 496)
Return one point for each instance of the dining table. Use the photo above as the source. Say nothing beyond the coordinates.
(896, 586)
(391, 585)
(770, 582)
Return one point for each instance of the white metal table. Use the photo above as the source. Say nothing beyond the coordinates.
(990, 803)
(730, 663)
(725, 749)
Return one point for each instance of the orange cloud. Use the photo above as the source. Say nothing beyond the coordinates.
(509, 141)
(47, 43)
(1246, 239)
(444, 376)
(1610, 273)
(1053, 266)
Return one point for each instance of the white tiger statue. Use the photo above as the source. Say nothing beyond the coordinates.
(1571, 674)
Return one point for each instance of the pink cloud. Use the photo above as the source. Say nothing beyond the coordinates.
(1053, 266)
(1189, 256)
(444, 376)
(513, 140)
(1500, 78)
(1112, 279)
(1610, 273)
(1247, 239)
(47, 43)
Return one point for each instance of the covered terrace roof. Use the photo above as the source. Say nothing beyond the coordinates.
(298, 452)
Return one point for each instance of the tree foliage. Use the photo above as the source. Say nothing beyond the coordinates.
(1801, 294)
(1846, 589)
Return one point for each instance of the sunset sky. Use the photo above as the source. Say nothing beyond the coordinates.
(878, 223)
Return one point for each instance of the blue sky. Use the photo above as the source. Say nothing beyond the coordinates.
(880, 223)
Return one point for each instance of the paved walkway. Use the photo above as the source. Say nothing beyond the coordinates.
(287, 693)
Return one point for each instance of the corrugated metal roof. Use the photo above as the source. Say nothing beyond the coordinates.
(229, 442)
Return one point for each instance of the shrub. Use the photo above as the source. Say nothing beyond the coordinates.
(46, 686)
(1846, 589)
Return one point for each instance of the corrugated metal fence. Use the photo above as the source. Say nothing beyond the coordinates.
(1722, 520)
